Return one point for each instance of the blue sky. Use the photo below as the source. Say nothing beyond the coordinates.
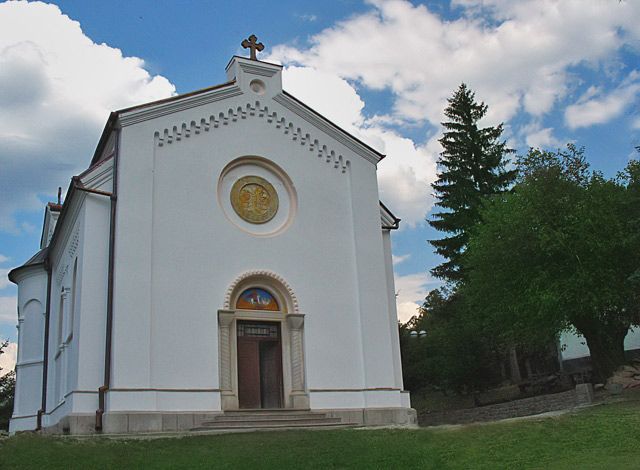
(553, 72)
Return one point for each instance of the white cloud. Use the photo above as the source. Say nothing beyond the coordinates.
(308, 17)
(411, 291)
(408, 170)
(9, 310)
(405, 177)
(4, 280)
(535, 136)
(519, 57)
(407, 310)
(326, 93)
(8, 358)
(57, 88)
(595, 107)
(400, 259)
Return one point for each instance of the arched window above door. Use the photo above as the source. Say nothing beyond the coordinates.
(256, 298)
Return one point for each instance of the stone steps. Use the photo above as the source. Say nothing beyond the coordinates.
(264, 420)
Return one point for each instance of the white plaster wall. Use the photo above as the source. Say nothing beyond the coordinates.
(393, 313)
(575, 346)
(32, 292)
(91, 302)
(177, 254)
(63, 374)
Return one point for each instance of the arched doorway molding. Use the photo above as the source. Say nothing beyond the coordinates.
(291, 326)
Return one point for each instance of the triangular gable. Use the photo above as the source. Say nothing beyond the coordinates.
(253, 106)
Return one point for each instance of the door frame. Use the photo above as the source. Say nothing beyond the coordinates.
(294, 392)
(259, 340)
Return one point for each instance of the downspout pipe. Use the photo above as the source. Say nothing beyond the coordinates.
(45, 358)
(110, 290)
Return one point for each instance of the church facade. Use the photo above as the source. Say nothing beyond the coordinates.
(225, 250)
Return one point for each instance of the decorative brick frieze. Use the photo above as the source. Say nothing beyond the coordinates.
(69, 256)
(184, 131)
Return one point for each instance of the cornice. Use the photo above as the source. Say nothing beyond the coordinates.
(99, 175)
(136, 115)
(256, 110)
(21, 273)
(258, 69)
(65, 229)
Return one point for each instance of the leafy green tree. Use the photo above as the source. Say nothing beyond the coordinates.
(452, 354)
(560, 252)
(7, 389)
(472, 166)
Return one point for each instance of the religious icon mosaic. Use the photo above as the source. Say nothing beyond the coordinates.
(254, 199)
(257, 299)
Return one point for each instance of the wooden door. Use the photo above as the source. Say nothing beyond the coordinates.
(270, 374)
(259, 365)
(248, 373)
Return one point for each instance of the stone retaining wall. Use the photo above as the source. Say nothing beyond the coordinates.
(512, 409)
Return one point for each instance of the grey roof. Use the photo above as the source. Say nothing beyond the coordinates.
(35, 260)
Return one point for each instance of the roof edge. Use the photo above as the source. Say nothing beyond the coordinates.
(334, 125)
(174, 98)
(104, 138)
(36, 260)
(396, 221)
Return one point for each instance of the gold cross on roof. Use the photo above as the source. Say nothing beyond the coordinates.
(253, 44)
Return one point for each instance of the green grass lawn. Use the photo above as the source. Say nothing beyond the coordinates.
(601, 437)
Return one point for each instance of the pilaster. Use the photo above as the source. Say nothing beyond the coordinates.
(225, 320)
(299, 397)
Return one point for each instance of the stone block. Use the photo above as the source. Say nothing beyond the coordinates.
(623, 380)
(63, 426)
(300, 400)
(169, 422)
(615, 389)
(378, 417)
(184, 421)
(115, 423)
(82, 424)
(406, 417)
(347, 415)
(584, 394)
(145, 422)
(198, 418)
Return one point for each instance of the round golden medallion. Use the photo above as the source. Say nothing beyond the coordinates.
(254, 199)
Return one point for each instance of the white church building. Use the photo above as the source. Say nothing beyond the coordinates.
(225, 250)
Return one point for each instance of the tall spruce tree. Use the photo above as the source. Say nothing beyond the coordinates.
(472, 168)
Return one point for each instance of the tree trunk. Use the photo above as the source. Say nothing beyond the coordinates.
(514, 367)
(606, 346)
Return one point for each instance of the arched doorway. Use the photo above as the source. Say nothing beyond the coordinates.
(261, 345)
(259, 355)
